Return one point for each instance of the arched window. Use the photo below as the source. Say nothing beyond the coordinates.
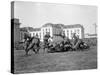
(33, 34)
(46, 30)
(71, 34)
(40, 35)
(67, 33)
(78, 31)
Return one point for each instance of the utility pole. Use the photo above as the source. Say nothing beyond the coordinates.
(95, 25)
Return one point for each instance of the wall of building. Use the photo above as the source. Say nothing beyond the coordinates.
(56, 31)
(90, 35)
(34, 33)
(16, 30)
(51, 30)
(69, 32)
(22, 33)
(44, 30)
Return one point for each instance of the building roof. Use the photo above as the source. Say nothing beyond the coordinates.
(30, 29)
(53, 25)
(26, 29)
(73, 26)
(47, 24)
(36, 29)
(59, 25)
(23, 29)
(63, 26)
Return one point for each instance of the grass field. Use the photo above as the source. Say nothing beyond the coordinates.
(47, 62)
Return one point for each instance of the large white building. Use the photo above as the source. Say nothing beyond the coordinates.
(51, 28)
(36, 31)
(76, 28)
(56, 29)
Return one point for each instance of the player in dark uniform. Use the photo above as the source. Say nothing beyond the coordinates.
(46, 37)
(76, 41)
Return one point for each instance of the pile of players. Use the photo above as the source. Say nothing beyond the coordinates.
(65, 45)
(33, 43)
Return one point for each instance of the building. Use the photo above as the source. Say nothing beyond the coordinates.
(90, 35)
(16, 29)
(23, 31)
(55, 31)
(36, 32)
(76, 28)
(51, 28)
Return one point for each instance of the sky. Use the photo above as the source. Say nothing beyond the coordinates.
(35, 14)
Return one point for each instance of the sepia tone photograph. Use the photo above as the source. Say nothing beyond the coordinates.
(50, 37)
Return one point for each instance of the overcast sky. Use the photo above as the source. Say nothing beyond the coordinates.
(37, 14)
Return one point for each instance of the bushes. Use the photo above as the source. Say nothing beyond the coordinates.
(18, 46)
(91, 41)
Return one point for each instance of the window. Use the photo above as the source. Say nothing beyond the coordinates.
(37, 34)
(49, 29)
(46, 30)
(57, 32)
(71, 33)
(78, 31)
(63, 32)
(67, 33)
(75, 31)
(43, 33)
(40, 35)
(33, 34)
(20, 35)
